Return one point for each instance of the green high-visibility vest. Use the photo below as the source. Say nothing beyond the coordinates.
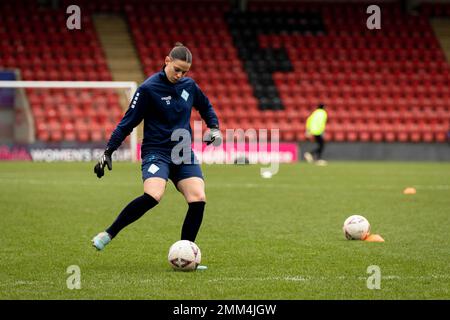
(315, 124)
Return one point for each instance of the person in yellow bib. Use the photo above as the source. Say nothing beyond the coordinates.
(315, 126)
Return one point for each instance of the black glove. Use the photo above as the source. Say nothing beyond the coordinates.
(214, 137)
(105, 160)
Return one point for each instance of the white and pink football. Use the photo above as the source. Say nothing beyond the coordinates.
(356, 227)
(184, 255)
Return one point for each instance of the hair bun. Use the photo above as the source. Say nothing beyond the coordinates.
(180, 52)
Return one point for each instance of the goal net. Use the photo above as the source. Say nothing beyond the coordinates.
(67, 120)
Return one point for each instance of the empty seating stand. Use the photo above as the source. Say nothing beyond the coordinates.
(35, 40)
(271, 65)
(267, 67)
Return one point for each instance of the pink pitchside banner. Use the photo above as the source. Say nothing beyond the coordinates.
(251, 153)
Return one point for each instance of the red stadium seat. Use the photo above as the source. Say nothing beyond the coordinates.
(377, 79)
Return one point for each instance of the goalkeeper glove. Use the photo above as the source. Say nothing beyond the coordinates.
(105, 160)
(214, 137)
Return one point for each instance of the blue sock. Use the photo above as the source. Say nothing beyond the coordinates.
(133, 211)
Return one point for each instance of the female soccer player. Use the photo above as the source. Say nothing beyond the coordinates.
(164, 101)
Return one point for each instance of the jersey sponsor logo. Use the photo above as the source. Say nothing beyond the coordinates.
(167, 99)
(185, 95)
(153, 168)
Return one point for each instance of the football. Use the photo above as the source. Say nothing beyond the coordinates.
(184, 255)
(266, 174)
(356, 227)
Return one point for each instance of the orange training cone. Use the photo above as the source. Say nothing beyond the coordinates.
(374, 238)
(409, 191)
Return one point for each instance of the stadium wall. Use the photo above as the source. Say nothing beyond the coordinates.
(381, 151)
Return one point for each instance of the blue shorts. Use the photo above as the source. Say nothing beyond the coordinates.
(158, 163)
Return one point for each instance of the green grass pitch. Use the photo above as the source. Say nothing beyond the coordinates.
(278, 238)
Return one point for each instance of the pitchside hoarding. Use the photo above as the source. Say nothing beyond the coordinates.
(51, 154)
(251, 153)
(225, 154)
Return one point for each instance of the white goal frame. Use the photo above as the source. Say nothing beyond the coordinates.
(130, 85)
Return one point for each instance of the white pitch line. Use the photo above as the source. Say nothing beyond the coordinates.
(222, 185)
(300, 278)
(289, 278)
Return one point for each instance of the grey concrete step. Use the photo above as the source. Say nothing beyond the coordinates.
(119, 48)
(441, 27)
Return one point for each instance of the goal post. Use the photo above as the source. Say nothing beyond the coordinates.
(125, 88)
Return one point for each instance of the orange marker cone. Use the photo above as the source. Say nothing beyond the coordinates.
(374, 238)
(409, 191)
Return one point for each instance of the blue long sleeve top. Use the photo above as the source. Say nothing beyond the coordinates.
(164, 107)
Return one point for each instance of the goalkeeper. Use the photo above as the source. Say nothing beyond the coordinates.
(164, 101)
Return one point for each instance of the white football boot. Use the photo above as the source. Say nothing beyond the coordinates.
(101, 240)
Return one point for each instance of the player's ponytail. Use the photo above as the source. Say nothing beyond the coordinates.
(180, 52)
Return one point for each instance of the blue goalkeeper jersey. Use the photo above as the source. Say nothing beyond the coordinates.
(164, 107)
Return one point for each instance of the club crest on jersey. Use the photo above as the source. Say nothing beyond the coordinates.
(167, 99)
(185, 95)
